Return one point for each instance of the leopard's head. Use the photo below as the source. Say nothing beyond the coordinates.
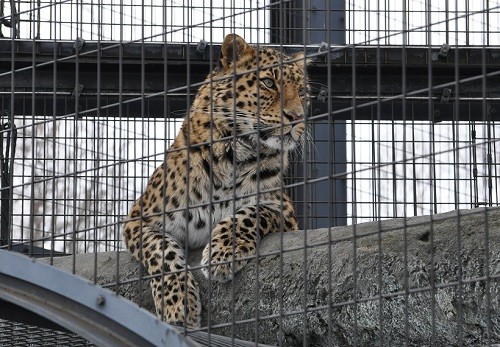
(261, 92)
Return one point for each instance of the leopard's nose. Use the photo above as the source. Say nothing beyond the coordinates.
(292, 116)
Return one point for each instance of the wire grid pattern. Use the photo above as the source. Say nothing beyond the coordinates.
(73, 179)
(78, 212)
(456, 162)
(151, 20)
(15, 334)
(411, 22)
(367, 22)
(85, 209)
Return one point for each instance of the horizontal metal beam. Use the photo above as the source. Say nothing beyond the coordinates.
(158, 80)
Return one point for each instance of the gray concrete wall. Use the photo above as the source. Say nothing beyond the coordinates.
(440, 284)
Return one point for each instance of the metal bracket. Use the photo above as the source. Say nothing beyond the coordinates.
(78, 91)
(200, 49)
(76, 95)
(322, 50)
(445, 97)
(78, 44)
(443, 52)
(322, 95)
(436, 115)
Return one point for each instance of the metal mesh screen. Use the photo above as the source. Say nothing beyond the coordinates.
(402, 123)
(12, 334)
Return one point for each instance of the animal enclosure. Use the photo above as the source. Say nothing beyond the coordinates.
(402, 122)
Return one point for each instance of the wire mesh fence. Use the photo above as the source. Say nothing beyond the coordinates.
(400, 119)
(12, 334)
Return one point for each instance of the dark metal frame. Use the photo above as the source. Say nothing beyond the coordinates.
(58, 59)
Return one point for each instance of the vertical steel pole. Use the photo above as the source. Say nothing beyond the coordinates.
(10, 132)
(320, 195)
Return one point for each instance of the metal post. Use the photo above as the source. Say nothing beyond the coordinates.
(9, 132)
(320, 21)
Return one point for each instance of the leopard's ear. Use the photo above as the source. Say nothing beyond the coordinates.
(301, 60)
(233, 48)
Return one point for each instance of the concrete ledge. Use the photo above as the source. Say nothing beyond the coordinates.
(398, 281)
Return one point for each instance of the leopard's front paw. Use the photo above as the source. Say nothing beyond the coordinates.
(174, 304)
(224, 263)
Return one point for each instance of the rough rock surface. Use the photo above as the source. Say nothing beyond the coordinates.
(398, 281)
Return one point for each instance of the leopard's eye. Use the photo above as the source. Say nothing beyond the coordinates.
(302, 92)
(268, 82)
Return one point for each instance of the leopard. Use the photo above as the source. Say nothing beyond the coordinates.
(221, 183)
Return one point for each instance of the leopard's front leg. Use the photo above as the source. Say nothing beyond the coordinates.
(234, 239)
(175, 292)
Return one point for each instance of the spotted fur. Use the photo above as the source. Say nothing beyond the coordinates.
(220, 185)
